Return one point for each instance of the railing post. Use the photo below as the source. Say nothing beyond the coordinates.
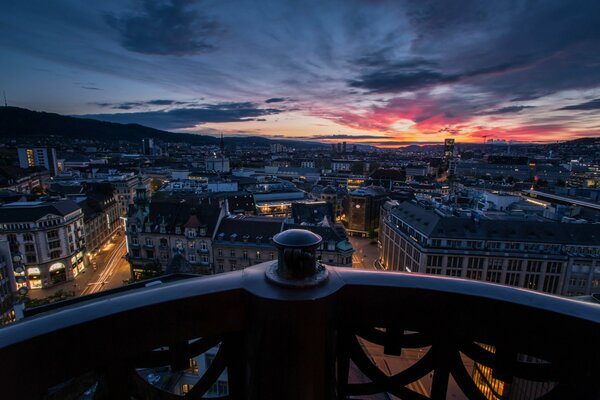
(290, 344)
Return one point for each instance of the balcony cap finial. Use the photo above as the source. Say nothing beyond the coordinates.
(297, 264)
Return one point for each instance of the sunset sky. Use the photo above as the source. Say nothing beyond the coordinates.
(373, 71)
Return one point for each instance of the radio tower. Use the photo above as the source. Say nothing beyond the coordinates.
(5, 103)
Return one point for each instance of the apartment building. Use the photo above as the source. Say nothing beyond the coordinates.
(528, 252)
(48, 237)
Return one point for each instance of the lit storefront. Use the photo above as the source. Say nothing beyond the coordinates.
(57, 273)
(34, 276)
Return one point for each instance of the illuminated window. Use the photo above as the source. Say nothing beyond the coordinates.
(185, 388)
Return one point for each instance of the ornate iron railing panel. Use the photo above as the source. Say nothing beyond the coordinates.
(289, 342)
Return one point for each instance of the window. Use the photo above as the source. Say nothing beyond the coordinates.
(534, 266)
(258, 254)
(192, 258)
(531, 281)
(194, 366)
(29, 248)
(54, 245)
(203, 245)
(204, 259)
(550, 283)
(232, 253)
(134, 241)
(512, 279)
(493, 276)
(55, 254)
(149, 242)
(434, 261)
(271, 255)
(495, 264)
(475, 263)
(164, 242)
(514, 265)
(245, 254)
(185, 388)
(220, 252)
(455, 262)
(27, 237)
(553, 267)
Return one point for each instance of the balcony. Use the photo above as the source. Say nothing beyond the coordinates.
(293, 329)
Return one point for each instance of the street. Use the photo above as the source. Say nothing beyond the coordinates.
(366, 253)
(111, 270)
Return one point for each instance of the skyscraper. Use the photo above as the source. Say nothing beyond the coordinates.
(38, 157)
(448, 148)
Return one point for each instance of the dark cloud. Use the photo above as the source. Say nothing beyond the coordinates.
(401, 78)
(165, 27)
(505, 110)
(275, 100)
(130, 105)
(179, 118)
(90, 87)
(590, 105)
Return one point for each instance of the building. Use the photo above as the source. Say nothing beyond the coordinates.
(242, 241)
(362, 210)
(23, 180)
(449, 148)
(38, 157)
(102, 218)
(148, 147)
(170, 235)
(217, 164)
(527, 252)
(49, 237)
(8, 284)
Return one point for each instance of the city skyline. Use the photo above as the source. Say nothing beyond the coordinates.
(383, 73)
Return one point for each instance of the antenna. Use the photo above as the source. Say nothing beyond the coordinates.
(5, 103)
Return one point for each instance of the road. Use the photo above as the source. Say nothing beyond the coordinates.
(366, 253)
(111, 270)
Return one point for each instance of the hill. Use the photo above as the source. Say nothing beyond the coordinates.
(18, 122)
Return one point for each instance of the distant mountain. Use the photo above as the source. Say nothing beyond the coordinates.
(18, 122)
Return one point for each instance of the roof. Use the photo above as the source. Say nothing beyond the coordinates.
(33, 211)
(311, 212)
(434, 225)
(177, 213)
(241, 202)
(249, 228)
(328, 233)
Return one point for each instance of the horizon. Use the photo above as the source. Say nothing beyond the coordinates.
(367, 73)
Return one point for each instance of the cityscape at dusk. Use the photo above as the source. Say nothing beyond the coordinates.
(304, 200)
(379, 72)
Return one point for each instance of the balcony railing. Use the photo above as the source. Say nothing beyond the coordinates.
(294, 329)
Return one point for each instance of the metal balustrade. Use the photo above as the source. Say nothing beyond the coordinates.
(294, 329)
